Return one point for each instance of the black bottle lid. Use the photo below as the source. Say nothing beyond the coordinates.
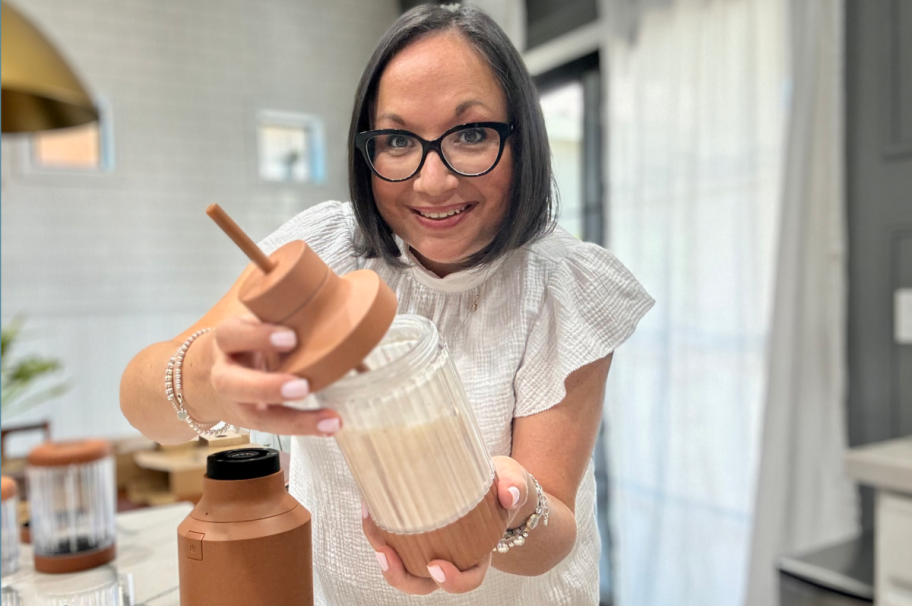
(243, 464)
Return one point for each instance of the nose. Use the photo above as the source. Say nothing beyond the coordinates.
(435, 179)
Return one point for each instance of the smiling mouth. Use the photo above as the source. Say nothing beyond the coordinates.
(443, 215)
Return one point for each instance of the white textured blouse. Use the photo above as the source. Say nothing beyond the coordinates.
(515, 330)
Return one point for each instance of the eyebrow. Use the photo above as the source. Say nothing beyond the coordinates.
(460, 109)
(390, 116)
(465, 105)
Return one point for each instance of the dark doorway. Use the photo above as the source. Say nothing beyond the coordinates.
(879, 197)
(571, 98)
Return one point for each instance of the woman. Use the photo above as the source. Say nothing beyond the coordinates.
(461, 229)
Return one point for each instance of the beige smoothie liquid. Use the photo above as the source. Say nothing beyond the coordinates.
(421, 477)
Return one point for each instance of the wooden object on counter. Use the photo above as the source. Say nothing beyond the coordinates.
(176, 473)
(231, 438)
(125, 450)
(150, 488)
(182, 446)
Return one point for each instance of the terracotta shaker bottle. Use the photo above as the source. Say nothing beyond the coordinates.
(247, 542)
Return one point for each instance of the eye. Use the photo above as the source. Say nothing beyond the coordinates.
(398, 141)
(472, 135)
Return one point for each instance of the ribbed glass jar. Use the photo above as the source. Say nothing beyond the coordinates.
(9, 534)
(72, 499)
(409, 434)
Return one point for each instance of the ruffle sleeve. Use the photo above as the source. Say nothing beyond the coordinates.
(590, 305)
(328, 228)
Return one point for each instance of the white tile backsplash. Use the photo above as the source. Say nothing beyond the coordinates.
(103, 264)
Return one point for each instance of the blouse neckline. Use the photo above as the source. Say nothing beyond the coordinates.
(458, 281)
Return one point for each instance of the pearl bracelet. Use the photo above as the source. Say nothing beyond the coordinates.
(516, 537)
(176, 395)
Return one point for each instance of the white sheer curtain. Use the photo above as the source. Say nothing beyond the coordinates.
(804, 498)
(695, 128)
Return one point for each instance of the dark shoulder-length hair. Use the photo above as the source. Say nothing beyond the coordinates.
(532, 199)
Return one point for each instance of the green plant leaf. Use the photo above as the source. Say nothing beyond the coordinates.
(36, 398)
(8, 335)
(17, 377)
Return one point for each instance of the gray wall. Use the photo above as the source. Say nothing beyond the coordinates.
(879, 207)
(103, 264)
(879, 171)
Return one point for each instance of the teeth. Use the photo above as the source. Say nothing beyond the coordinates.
(442, 215)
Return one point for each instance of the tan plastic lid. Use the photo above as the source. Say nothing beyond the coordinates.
(338, 320)
(56, 454)
(9, 487)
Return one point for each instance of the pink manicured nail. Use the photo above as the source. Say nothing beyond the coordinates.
(515, 492)
(381, 559)
(296, 390)
(328, 426)
(364, 512)
(283, 339)
(437, 573)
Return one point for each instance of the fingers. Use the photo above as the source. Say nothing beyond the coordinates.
(393, 570)
(239, 383)
(452, 580)
(244, 334)
(512, 484)
(249, 393)
(238, 373)
(288, 421)
(397, 576)
(444, 574)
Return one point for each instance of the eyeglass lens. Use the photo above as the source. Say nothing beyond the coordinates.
(470, 151)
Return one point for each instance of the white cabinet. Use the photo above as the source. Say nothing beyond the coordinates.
(893, 549)
(888, 468)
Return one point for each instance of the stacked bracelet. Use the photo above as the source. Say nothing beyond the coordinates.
(176, 395)
(516, 537)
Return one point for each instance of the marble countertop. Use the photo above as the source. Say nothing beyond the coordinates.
(884, 465)
(145, 569)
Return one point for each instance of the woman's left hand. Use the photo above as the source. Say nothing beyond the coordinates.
(512, 491)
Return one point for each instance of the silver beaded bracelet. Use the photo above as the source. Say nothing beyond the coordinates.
(176, 395)
(516, 537)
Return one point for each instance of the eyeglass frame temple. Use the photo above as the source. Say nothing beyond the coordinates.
(504, 130)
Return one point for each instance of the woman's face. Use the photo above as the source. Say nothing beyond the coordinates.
(431, 86)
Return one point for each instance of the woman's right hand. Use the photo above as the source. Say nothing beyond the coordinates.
(245, 393)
